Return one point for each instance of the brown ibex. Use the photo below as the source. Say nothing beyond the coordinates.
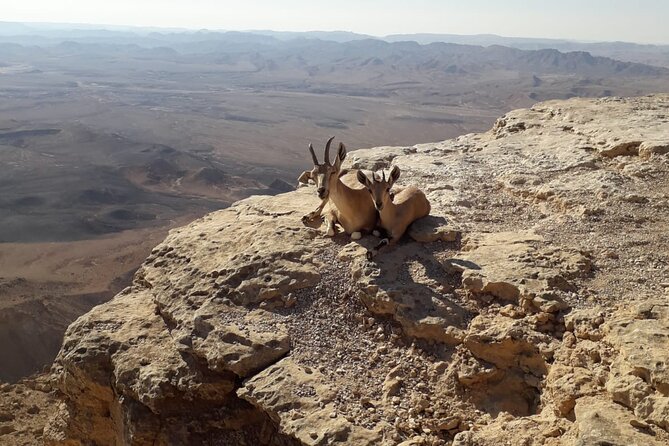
(353, 208)
(396, 212)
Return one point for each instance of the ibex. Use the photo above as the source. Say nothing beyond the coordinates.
(353, 208)
(396, 212)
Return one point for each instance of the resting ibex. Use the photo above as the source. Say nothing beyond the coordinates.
(353, 208)
(396, 212)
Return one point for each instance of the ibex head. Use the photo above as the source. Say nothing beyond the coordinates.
(326, 173)
(379, 186)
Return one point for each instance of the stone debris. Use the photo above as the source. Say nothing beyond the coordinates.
(24, 409)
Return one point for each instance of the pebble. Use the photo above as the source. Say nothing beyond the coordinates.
(554, 432)
(639, 424)
(6, 429)
(611, 255)
(449, 423)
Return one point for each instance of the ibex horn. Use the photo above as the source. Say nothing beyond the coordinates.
(383, 177)
(313, 155)
(327, 150)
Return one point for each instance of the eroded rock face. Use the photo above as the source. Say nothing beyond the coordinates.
(177, 338)
(509, 265)
(600, 421)
(529, 308)
(314, 418)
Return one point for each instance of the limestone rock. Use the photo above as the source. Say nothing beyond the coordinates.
(505, 429)
(473, 372)
(601, 421)
(639, 375)
(25, 407)
(303, 403)
(382, 157)
(176, 339)
(565, 385)
(654, 409)
(628, 390)
(413, 301)
(507, 343)
(504, 265)
(393, 383)
(431, 229)
(585, 324)
(243, 347)
(650, 148)
(504, 364)
(524, 310)
(644, 344)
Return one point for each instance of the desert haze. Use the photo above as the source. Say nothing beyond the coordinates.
(110, 138)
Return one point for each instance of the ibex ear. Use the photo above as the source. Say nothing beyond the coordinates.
(362, 178)
(394, 174)
(304, 178)
(341, 155)
(342, 151)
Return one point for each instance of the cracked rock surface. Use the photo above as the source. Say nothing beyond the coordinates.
(530, 308)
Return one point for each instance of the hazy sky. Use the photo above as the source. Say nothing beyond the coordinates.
(637, 21)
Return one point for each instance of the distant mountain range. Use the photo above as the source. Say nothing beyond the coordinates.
(66, 30)
(627, 51)
(447, 53)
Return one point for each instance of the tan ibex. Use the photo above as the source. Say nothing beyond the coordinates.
(396, 212)
(353, 208)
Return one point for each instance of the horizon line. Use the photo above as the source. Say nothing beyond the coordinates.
(106, 27)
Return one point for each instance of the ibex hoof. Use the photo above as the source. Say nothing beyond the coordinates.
(370, 254)
(311, 216)
(376, 233)
(356, 235)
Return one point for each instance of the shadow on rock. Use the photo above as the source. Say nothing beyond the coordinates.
(411, 283)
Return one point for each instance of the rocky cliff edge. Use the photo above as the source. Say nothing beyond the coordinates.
(529, 308)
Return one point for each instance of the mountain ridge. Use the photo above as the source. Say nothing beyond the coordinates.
(405, 53)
